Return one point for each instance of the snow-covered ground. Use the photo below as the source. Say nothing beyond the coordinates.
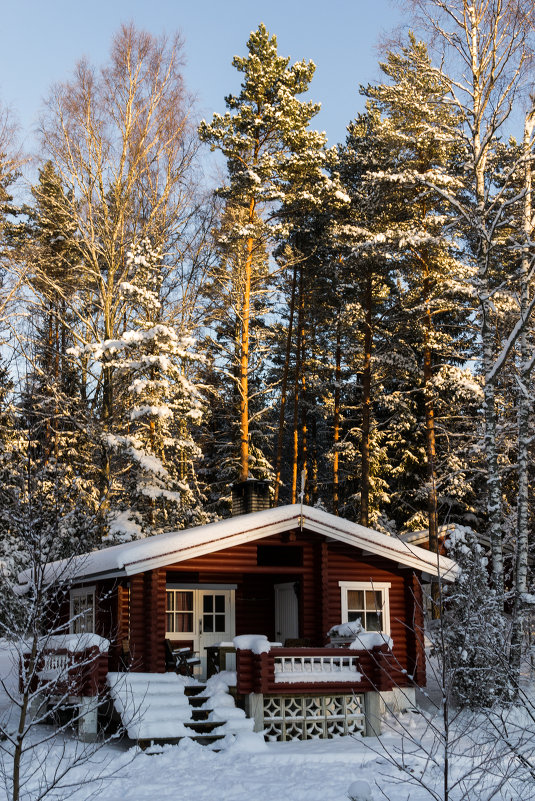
(250, 770)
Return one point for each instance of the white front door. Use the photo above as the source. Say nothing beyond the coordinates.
(202, 617)
(286, 612)
(216, 619)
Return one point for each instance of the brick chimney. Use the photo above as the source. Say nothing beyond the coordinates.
(250, 496)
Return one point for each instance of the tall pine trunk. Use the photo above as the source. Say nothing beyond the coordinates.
(297, 381)
(244, 356)
(366, 404)
(336, 420)
(284, 389)
(430, 446)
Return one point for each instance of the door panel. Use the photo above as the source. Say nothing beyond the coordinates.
(286, 612)
(215, 620)
(200, 617)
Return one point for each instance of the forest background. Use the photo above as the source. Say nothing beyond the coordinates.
(351, 323)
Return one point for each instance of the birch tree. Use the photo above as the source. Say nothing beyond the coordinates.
(121, 144)
(485, 50)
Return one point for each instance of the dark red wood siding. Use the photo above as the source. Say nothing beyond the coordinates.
(137, 622)
(324, 565)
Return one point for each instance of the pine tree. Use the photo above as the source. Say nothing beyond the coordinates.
(403, 244)
(52, 254)
(265, 140)
(223, 297)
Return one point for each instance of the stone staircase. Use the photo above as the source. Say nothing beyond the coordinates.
(162, 708)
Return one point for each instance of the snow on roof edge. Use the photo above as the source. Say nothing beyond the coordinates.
(175, 546)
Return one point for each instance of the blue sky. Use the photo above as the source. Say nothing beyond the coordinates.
(41, 41)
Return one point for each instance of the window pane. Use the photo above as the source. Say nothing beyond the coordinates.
(170, 602)
(82, 613)
(208, 603)
(208, 623)
(373, 599)
(374, 621)
(184, 622)
(184, 601)
(220, 622)
(89, 619)
(351, 616)
(219, 603)
(170, 622)
(355, 599)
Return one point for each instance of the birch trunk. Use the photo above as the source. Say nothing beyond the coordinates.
(524, 410)
(483, 285)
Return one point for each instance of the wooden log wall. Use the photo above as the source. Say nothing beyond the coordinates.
(345, 564)
(154, 607)
(137, 622)
(324, 565)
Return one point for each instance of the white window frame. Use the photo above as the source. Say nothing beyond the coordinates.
(182, 635)
(197, 611)
(376, 586)
(77, 593)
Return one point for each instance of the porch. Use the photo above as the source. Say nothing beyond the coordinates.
(289, 692)
(311, 693)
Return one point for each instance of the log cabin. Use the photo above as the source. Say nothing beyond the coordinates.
(283, 577)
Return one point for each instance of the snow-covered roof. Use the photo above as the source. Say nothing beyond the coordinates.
(173, 547)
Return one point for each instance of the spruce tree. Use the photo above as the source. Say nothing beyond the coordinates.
(474, 630)
(150, 439)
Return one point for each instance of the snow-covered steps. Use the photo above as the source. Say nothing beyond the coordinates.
(165, 708)
(152, 706)
(222, 708)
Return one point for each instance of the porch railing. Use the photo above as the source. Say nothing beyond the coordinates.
(321, 669)
(59, 671)
(316, 668)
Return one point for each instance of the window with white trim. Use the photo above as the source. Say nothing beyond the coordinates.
(367, 601)
(180, 612)
(82, 610)
(199, 611)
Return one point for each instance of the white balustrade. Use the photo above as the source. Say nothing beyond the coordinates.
(56, 666)
(315, 665)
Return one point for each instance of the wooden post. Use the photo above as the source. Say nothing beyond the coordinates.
(137, 622)
(372, 714)
(155, 581)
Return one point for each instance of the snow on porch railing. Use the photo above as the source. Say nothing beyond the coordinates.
(56, 663)
(326, 669)
(312, 669)
(66, 665)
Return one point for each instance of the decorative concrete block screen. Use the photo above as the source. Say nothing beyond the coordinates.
(312, 717)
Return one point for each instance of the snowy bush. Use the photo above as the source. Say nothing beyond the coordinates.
(473, 628)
